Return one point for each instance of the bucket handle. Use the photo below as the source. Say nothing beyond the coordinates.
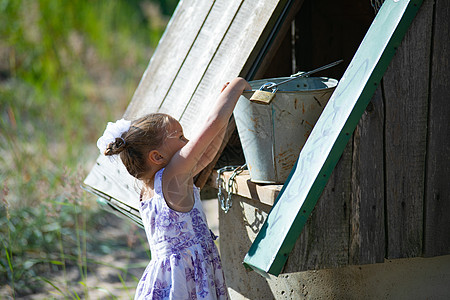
(273, 86)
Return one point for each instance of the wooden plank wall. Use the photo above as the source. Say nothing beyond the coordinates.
(388, 197)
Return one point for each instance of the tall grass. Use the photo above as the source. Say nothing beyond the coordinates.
(66, 68)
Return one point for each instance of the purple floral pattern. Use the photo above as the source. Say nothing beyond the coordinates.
(185, 262)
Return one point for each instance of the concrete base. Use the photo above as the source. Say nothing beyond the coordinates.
(415, 278)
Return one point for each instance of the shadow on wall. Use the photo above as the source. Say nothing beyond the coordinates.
(238, 228)
(413, 278)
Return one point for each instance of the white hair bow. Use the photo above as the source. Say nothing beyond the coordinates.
(112, 131)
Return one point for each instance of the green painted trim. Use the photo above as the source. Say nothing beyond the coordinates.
(293, 205)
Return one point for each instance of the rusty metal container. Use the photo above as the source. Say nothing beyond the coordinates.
(273, 135)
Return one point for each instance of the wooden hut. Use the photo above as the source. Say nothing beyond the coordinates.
(384, 195)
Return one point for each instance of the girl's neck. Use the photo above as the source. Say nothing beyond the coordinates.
(149, 183)
(148, 189)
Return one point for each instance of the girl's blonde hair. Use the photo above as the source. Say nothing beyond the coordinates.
(145, 134)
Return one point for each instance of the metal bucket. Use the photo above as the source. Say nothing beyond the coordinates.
(273, 135)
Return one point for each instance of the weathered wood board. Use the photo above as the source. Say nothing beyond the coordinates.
(367, 233)
(110, 180)
(165, 64)
(406, 106)
(329, 137)
(323, 242)
(437, 192)
(206, 44)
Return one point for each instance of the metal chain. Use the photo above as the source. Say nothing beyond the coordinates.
(223, 204)
(226, 204)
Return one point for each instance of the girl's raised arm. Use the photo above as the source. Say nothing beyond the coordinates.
(180, 170)
(185, 160)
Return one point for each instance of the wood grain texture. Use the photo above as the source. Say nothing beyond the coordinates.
(173, 48)
(231, 56)
(111, 178)
(195, 64)
(406, 99)
(367, 234)
(437, 204)
(324, 240)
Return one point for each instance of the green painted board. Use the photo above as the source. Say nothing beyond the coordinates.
(327, 141)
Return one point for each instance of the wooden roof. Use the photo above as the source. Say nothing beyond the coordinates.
(206, 44)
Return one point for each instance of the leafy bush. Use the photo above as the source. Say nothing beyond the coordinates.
(66, 68)
(40, 239)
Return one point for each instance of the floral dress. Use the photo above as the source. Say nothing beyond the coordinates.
(185, 262)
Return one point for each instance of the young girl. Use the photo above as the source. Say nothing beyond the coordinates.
(185, 262)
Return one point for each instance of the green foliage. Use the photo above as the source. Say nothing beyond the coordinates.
(31, 238)
(69, 69)
(66, 68)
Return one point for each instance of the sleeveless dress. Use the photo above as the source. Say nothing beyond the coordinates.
(185, 263)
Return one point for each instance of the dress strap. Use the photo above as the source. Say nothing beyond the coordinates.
(157, 184)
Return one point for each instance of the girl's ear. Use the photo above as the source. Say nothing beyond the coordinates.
(155, 157)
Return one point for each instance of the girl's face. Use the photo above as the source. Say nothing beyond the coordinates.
(174, 141)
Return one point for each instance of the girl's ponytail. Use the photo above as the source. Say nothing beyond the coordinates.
(115, 147)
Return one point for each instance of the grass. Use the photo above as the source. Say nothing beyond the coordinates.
(66, 68)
